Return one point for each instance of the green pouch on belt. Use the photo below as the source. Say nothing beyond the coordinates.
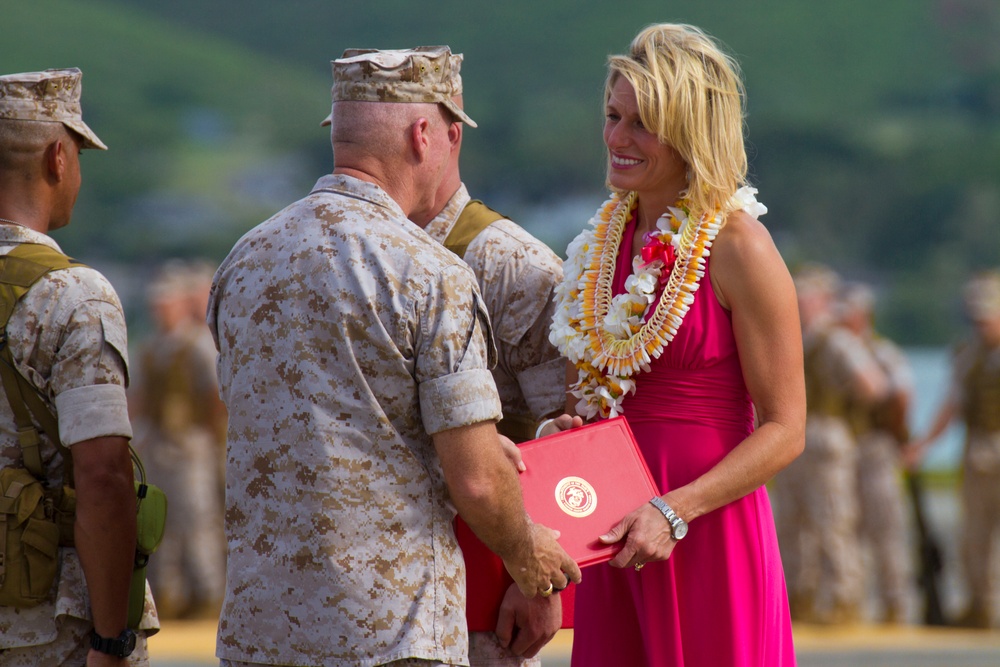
(150, 521)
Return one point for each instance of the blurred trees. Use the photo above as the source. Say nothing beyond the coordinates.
(874, 128)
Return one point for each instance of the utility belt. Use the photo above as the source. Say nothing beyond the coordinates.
(36, 520)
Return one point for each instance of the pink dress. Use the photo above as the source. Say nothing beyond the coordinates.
(720, 599)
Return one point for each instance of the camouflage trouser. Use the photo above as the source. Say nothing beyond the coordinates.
(884, 519)
(981, 505)
(485, 651)
(816, 518)
(68, 649)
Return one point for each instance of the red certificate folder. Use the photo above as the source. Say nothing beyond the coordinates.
(580, 482)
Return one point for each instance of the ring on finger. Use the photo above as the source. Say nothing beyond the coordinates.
(639, 566)
(548, 591)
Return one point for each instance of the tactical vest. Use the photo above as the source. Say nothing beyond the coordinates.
(886, 415)
(822, 398)
(981, 390)
(21, 268)
(170, 398)
(35, 520)
(475, 217)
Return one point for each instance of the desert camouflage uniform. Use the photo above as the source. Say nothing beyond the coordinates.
(883, 521)
(68, 338)
(346, 337)
(176, 436)
(977, 377)
(816, 495)
(516, 274)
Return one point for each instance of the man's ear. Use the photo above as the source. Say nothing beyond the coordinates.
(56, 159)
(420, 139)
(455, 135)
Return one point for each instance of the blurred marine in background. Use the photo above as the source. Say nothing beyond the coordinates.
(880, 429)
(179, 420)
(975, 399)
(816, 497)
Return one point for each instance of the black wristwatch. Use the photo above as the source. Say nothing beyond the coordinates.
(120, 647)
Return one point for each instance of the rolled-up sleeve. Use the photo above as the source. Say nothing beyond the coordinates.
(97, 411)
(89, 369)
(454, 356)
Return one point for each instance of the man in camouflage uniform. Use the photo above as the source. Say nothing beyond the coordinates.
(880, 429)
(516, 274)
(175, 401)
(975, 399)
(816, 496)
(67, 337)
(353, 358)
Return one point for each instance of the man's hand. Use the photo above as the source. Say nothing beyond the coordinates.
(545, 567)
(525, 626)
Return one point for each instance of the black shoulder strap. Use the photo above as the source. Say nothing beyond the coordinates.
(21, 268)
(475, 217)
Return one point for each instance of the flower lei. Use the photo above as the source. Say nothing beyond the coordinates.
(610, 339)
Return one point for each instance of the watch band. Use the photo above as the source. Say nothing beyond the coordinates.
(120, 646)
(678, 527)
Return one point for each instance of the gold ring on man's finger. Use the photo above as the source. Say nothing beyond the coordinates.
(548, 591)
(639, 566)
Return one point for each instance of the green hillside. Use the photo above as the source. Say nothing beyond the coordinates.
(192, 123)
(874, 127)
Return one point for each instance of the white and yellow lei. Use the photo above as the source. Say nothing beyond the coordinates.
(610, 339)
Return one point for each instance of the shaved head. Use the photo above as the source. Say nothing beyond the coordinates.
(22, 143)
(377, 130)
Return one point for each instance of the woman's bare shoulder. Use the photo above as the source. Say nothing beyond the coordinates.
(742, 254)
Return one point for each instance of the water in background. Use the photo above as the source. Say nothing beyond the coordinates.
(931, 381)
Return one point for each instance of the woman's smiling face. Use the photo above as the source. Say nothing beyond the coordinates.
(636, 158)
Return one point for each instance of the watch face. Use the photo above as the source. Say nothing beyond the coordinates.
(129, 638)
(680, 529)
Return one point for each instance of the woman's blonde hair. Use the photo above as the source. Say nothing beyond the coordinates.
(691, 96)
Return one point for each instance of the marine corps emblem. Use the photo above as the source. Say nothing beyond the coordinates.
(576, 497)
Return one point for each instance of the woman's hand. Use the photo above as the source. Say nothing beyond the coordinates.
(563, 422)
(647, 536)
(512, 452)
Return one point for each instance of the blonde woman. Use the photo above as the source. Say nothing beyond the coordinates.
(678, 312)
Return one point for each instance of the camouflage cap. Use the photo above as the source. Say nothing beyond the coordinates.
(982, 296)
(52, 96)
(426, 74)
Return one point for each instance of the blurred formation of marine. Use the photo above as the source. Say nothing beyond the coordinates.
(880, 429)
(180, 421)
(974, 398)
(816, 497)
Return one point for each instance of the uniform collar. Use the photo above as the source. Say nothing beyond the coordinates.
(17, 234)
(355, 188)
(443, 222)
